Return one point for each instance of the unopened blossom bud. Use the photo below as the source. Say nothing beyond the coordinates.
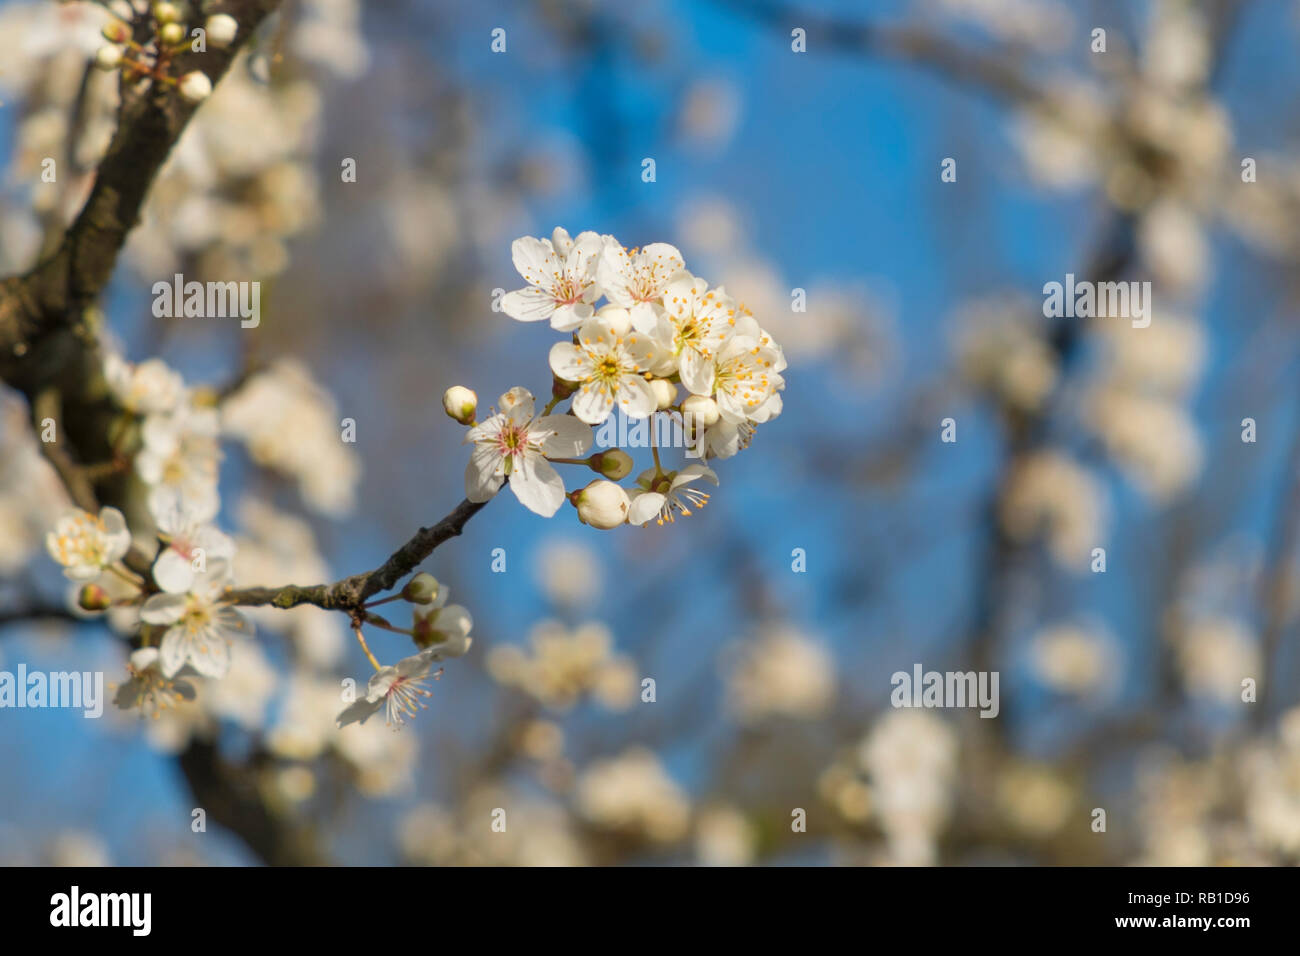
(108, 57)
(172, 33)
(115, 31)
(613, 464)
(421, 589)
(704, 411)
(195, 86)
(602, 504)
(460, 403)
(92, 597)
(562, 389)
(221, 29)
(665, 392)
(619, 320)
(166, 12)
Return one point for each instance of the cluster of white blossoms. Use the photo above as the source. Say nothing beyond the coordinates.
(563, 666)
(239, 183)
(659, 328)
(167, 436)
(632, 794)
(781, 673)
(1050, 495)
(170, 436)
(171, 585)
(288, 423)
(910, 758)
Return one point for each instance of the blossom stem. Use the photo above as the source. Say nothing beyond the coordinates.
(391, 597)
(654, 445)
(377, 621)
(550, 406)
(361, 639)
(125, 576)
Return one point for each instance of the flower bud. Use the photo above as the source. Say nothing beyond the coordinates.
(166, 12)
(613, 464)
(115, 31)
(561, 389)
(704, 411)
(195, 86)
(108, 57)
(602, 504)
(454, 645)
(221, 29)
(665, 392)
(172, 33)
(92, 597)
(460, 403)
(421, 589)
(619, 319)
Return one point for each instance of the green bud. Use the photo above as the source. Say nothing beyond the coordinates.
(421, 589)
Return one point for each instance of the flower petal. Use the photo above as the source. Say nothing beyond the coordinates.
(209, 652)
(163, 608)
(536, 261)
(645, 506)
(482, 477)
(454, 620)
(697, 373)
(569, 316)
(566, 437)
(528, 305)
(173, 651)
(692, 472)
(592, 404)
(537, 485)
(358, 711)
(173, 571)
(637, 397)
(569, 362)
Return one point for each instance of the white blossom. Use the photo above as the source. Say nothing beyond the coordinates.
(609, 368)
(661, 494)
(514, 444)
(190, 543)
(85, 544)
(561, 277)
(198, 625)
(399, 690)
(637, 279)
(178, 461)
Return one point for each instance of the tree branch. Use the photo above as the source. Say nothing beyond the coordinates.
(350, 593)
(232, 794)
(48, 343)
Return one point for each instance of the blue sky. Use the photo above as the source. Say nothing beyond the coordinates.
(835, 167)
